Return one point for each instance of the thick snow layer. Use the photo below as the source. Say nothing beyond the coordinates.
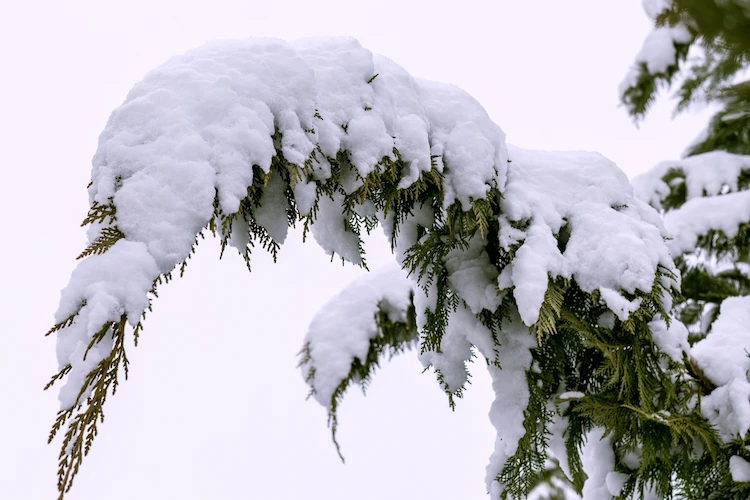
(189, 135)
(700, 215)
(111, 284)
(740, 469)
(616, 241)
(472, 147)
(511, 397)
(193, 128)
(706, 174)
(658, 51)
(343, 328)
(723, 357)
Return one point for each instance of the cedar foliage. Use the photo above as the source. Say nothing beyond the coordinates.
(711, 69)
(641, 399)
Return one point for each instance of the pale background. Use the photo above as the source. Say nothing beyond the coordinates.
(215, 408)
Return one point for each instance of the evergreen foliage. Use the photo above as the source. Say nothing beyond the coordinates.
(716, 266)
(581, 339)
(713, 75)
(709, 68)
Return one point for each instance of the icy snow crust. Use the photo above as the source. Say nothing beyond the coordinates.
(183, 145)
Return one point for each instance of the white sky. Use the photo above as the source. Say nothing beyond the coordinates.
(215, 408)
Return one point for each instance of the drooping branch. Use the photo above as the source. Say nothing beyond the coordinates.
(506, 249)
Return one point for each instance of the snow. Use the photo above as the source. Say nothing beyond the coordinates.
(557, 433)
(111, 284)
(672, 340)
(455, 349)
(472, 147)
(330, 231)
(618, 304)
(740, 469)
(408, 229)
(571, 395)
(706, 174)
(598, 461)
(723, 358)
(615, 481)
(271, 212)
(473, 277)
(616, 241)
(189, 134)
(343, 328)
(511, 396)
(655, 7)
(698, 216)
(658, 51)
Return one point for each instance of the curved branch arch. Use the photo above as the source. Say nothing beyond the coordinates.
(506, 247)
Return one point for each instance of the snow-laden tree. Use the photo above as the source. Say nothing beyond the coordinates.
(545, 264)
(704, 197)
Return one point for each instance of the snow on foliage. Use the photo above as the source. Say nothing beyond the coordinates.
(343, 329)
(707, 174)
(655, 7)
(701, 194)
(700, 216)
(543, 262)
(614, 241)
(723, 357)
(658, 53)
(511, 398)
(192, 129)
(700, 50)
(658, 58)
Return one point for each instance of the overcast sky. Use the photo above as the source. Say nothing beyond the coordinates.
(215, 408)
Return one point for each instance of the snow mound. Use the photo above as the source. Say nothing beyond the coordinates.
(615, 243)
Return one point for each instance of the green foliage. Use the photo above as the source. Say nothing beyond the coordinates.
(721, 41)
(392, 338)
(108, 237)
(724, 24)
(619, 367)
(102, 214)
(642, 399)
(639, 97)
(643, 403)
(711, 272)
(81, 420)
(380, 188)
